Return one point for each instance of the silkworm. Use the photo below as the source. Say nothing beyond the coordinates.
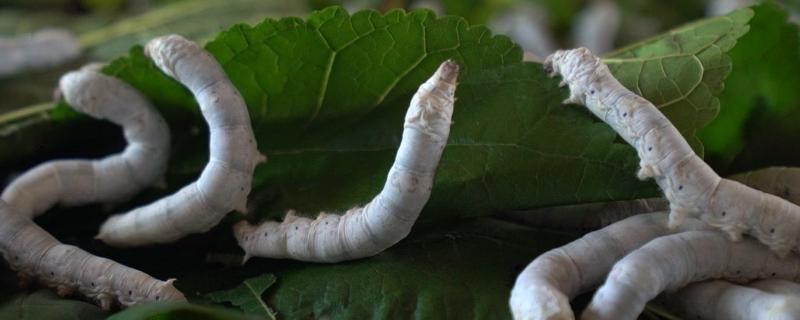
(673, 261)
(42, 49)
(33, 252)
(367, 230)
(112, 179)
(597, 26)
(690, 185)
(544, 288)
(723, 300)
(225, 181)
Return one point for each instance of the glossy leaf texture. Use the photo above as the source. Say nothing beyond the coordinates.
(327, 98)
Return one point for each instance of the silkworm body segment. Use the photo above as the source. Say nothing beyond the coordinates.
(689, 184)
(367, 230)
(225, 182)
(112, 179)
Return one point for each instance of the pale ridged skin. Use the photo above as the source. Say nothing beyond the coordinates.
(689, 184)
(33, 252)
(226, 180)
(40, 50)
(114, 178)
(722, 300)
(673, 261)
(545, 287)
(367, 230)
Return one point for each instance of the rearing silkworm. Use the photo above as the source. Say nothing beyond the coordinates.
(224, 183)
(543, 290)
(388, 218)
(673, 261)
(35, 253)
(111, 179)
(690, 185)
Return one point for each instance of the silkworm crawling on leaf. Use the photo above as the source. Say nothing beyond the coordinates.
(225, 181)
(111, 179)
(42, 49)
(388, 218)
(671, 262)
(544, 288)
(690, 185)
(34, 253)
(723, 300)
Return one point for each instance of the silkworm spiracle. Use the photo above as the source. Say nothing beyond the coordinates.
(112, 179)
(367, 230)
(225, 181)
(690, 185)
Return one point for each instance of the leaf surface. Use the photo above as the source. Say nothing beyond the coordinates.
(247, 296)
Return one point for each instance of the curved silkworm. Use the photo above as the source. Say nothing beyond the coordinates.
(671, 262)
(112, 179)
(42, 49)
(543, 290)
(690, 185)
(723, 300)
(597, 26)
(388, 218)
(33, 252)
(225, 181)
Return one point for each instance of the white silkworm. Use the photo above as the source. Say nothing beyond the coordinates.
(35, 253)
(226, 180)
(597, 26)
(388, 218)
(42, 49)
(673, 261)
(690, 185)
(723, 300)
(111, 179)
(543, 290)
